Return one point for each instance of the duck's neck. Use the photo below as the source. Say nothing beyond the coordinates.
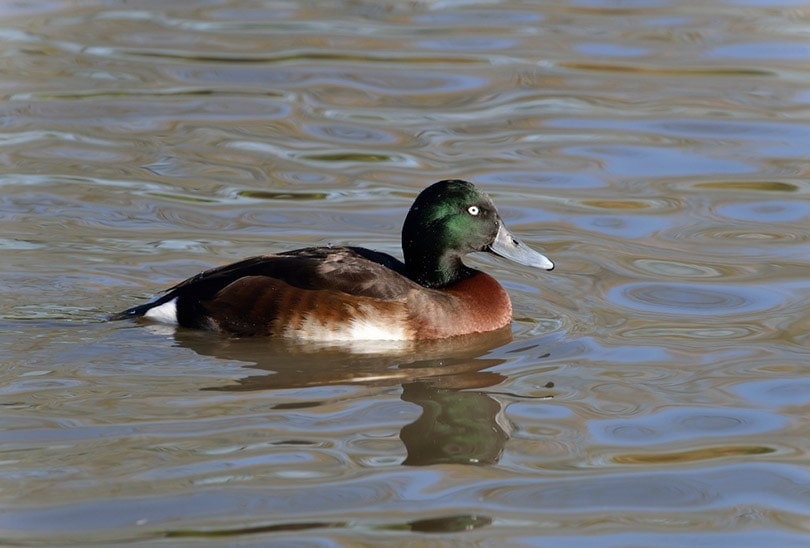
(433, 269)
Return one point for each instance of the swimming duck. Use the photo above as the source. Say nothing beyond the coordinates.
(353, 293)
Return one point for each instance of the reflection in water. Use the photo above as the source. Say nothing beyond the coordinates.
(457, 424)
(455, 427)
(450, 524)
(451, 363)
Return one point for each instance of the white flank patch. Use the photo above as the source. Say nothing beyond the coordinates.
(364, 330)
(358, 329)
(165, 313)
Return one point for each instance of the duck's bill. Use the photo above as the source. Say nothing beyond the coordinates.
(508, 246)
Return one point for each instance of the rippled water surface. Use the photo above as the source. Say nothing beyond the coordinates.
(654, 389)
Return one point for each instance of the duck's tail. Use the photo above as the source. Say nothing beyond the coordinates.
(143, 309)
(129, 313)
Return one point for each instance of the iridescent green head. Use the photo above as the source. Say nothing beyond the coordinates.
(450, 219)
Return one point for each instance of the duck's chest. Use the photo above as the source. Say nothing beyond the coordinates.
(475, 305)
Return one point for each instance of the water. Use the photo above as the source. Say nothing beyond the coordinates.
(653, 389)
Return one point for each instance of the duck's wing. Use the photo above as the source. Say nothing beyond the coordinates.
(355, 271)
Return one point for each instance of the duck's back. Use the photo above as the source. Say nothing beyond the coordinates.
(352, 270)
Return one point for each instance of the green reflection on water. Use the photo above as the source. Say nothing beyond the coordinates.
(694, 455)
(347, 157)
(771, 186)
(269, 195)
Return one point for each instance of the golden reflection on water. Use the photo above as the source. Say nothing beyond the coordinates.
(691, 456)
(651, 391)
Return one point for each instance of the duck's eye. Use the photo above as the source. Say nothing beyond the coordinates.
(473, 210)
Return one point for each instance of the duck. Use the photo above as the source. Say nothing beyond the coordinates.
(353, 293)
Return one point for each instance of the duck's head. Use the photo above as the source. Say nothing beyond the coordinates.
(450, 219)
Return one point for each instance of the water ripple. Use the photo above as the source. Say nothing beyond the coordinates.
(776, 392)
(387, 82)
(771, 211)
(695, 299)
(647, 161)
(345, 133)
(684, 423)
(626, 492)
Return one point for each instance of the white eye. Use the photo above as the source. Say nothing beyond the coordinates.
(473, 210)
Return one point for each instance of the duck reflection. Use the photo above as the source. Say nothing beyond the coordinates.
(458, 423)
(454, 427)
